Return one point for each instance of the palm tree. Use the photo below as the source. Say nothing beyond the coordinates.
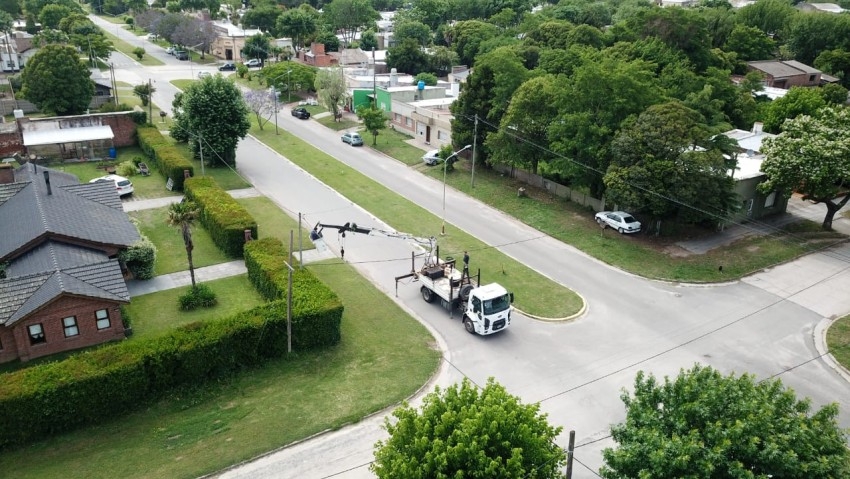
(184, 214)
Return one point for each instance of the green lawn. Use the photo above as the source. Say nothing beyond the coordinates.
(535, 293)
(170, 250)
(395, 144)
(183, 84)
(156, 313)
(342, 125)
(127, 49)
(273, 222)
(838, 341)
(225, 176)
(384, 357)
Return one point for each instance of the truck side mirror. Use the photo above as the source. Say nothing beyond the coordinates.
(476, 307)
(512, 297)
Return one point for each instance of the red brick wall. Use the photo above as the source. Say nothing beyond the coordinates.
(122, 127)
(51, 320)
(11, 143)
(8, 347)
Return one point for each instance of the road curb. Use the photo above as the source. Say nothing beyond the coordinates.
(819, 338)
(565, 319)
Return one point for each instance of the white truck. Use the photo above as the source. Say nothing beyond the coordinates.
(486, 308)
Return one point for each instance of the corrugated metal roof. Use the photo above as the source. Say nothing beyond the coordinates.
(67, 135)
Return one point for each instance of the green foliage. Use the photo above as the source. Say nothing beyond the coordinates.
(242, 70)
(144, 90)
(139, 52)
(429, 78)
(703, 424)
(331, 89)
(223, 217)
(408, 57)
(198, 296)
(297, 24)
(57, 81)
(126, 169)
(139, 117)
(140, 258)
(112, 107)
(798, 101)
(374, 120)
(170, 161)
(108, 382)
(349, 16)
(811, 156)
(466, 432)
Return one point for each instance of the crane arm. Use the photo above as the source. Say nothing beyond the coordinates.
(351, 227)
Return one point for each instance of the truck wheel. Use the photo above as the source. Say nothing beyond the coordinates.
(464, 292)
(427, 295)
(467, 323)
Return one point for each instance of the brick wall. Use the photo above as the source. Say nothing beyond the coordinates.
(51, 320)
(122, 127)
(10, 143)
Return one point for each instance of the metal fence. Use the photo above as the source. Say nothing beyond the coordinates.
(556, 189)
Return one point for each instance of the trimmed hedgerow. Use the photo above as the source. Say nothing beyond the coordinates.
(224, 218)
(169, 160)
(110, 381)
(140, 258)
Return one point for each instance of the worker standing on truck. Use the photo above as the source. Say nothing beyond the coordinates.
(465, 265)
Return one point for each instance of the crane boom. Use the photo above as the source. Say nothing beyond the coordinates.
(351, 227)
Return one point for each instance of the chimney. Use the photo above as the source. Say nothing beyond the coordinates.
(758, 127)
(7, 174)
(47, 181)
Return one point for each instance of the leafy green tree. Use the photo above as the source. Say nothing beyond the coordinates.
(183, 214)
(212, 111)
(719, 21)
(368, 41)
(553, 34)
(750, 43)
(810, 34)
(680, 28)
(416, 31)
(835, 62)
(812, 156)
(408, 57)
(300, 76)
(12, 7)
(703, 424)
(798, 101)
(48, 36)
(349, 16)
(522, 138)
(431, 12)
(441, 60)
(56, 80)
(263, 17)
(257, 46)
(466, 37)
(463, 432)
(139, 52)
(769, 16)
(297, 24)
(144, 92)
(374, 120)
(429, 78)
(657, 167)
(34, 7)
(51, 15)
(329, 39)
(331, 89)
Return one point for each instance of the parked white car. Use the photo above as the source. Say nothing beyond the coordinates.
(254, 63)
(310, 101)
(432, 157)
(619, 220)
(122, 185)
(202, 75)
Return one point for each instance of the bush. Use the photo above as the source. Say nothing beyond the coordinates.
(201, 296)
(224, 218)
(139, 258)
(111, 107)
(170, 161)
(139, 117)
(139, 52)
(126, 168)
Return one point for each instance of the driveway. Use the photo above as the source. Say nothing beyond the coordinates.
(762, 325)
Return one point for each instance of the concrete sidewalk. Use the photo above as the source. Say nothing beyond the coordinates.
(134, 204)
(798, 209)
(209, 273)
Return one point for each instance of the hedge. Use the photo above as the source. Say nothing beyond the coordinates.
(167, 158)
(108, 382)
(222, 216)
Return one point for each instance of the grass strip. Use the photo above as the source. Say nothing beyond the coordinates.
(127, 49)
(838, 341)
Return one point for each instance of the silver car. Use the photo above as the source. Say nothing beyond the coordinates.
(619, 220)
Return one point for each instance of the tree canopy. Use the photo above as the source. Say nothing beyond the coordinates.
(704, 424)
(331, 89)
(56, 80)
(212, 111)
(464, 432)
(812, 156)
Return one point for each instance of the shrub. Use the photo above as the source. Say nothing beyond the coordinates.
(111, 107)
(224, 218)
(200, 296)
(126, 168)
(170, 161)
(139, 52)
(139, 117)
(140, 258)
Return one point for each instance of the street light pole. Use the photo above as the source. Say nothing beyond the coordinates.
(445, 168)
(274, 92)
(288, 87)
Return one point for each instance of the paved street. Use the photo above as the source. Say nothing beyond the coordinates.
(764, 325)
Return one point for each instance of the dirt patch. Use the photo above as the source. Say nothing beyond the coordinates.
(675, 251)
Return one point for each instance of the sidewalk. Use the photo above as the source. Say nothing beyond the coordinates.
(797, 210)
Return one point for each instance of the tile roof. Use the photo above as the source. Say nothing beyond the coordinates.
(89, 212)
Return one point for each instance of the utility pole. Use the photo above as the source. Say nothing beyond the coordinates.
(570, 450)
(374, 80)
(474, 144)
(201, 143)
(289, 299)
(150, 102)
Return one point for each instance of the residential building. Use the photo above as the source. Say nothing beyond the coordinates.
(63, 284)
(420, 111)
(230, 40)
(786, 73)
(748, 175)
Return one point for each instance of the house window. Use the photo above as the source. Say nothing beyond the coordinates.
(770, 201)
(408, 122)
(811, 78)
(102, 317)
(36, 333)
(70, 325)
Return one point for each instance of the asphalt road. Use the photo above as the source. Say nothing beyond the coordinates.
(763, 325)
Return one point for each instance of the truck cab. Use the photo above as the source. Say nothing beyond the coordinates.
(488, 309)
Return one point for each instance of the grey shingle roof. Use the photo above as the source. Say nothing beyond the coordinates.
(88, 212)
(52, 256)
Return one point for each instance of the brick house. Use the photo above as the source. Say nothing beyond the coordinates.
(785, 74)
(62, 284)
(317, 57)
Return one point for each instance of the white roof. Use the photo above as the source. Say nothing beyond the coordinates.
(827, 7)
(67, 135)
(748, 167)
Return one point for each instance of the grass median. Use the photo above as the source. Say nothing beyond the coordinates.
(535, 294)
(127, 49)
(838, 341)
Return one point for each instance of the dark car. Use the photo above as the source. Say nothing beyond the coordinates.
(227, 67)
(301, 113)
(181, 55)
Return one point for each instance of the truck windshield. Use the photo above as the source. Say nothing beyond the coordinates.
(496, 305)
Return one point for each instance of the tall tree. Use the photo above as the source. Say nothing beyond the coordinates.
(703, 424)
(408, 57)
(750, 43)
(466, 432)
(144, 92)
(798, 101)
(297, 24)
(263, 17)
(331, 88)
(183, 214)
(56, 80)
(466, 37)
(812, 156)
(349, 16)
(373, 119)
(416, 31)
(261, 103)
(810, 34)
(657, 167)
(257, 46)
(51, 15)
(769, 16)
(213, 112)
